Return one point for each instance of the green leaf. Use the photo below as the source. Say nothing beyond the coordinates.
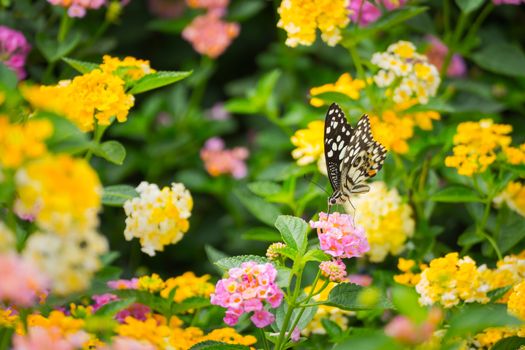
(156, 303)
(294, 232)
(53, 50)
(372, 340)
(241, 106)
(236, 261)
(66, 138)
(512, 231)
(215, 345)
(262, 234)
(213, 254)
(264, 188)
(116, 195)
(156, 80)
(467, 6)
(502, 58)
(474, 318)
(332, 329)
(510, 343)
(240, 11)
(498, 293)
(406, 302)
(189, 304)
(262, 210)
(347, 296)
(316, 255)
(81, 66)
(456, 194)
(112, 151)
(8, 77)
(113, 307)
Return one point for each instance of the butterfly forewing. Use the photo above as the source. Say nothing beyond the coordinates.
(337, 134)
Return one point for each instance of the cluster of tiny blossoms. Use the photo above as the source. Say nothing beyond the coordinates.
(513, 196)
(477, 144)
(335, 270)
(23, 141)
(345, 85)
(406, 73)
(218, 160)
(437, 52)
(339, 237)
(308, 143)
(365, 12)
(246, 289)
(97, 96)
(300, 19)
(14, 49)
(77, 8)
(158, 217)
(209, 34)
(386, 220)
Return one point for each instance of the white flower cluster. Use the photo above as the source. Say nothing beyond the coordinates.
(408, 73)
(69, 261)
(158, 217)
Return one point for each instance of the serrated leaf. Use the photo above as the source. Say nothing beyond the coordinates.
(472, 319)
(346, 296)
(80, 66)
(262, 210)
(316, 255)
(456, 194)
(236, 261)
(156, 80)
(112, 151)
(117, 195)
(293, 231)
(215, 345)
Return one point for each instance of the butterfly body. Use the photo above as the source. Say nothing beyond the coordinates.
(352, 155)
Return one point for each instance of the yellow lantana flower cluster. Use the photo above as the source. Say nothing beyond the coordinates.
(151, 283)
(513, 196)
(309, 143)
(386, 219)
(345, 85)
(334, 314)
(62, 193)
(96, 96)
(406, 73)
(516, 303)
(20, 142)
(449, 280)
(476, 146)
(188, 285)
(156, 331)
(158, 217)
(301, 18)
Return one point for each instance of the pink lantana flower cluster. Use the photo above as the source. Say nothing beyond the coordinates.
(365, 12)
(219, 161)
(437, 52)
(77, 8)
(13, 50)
(339, 237)
(208, 33)
(334, 270)
(246, 289)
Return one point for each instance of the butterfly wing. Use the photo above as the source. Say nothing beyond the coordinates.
(337, 134)
(364, 159)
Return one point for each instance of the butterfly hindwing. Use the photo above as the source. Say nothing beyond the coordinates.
(337, 134)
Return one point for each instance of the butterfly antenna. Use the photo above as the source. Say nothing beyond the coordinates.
(318, 185)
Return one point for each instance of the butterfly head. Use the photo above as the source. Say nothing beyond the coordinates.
(335, 198)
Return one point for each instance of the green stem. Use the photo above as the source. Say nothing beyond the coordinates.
(454, 43)
(446, 19)
(479, 20)
(65, 24)
(198, 91)
(97, 136)
(5, 338)
(266, 346)
(291, 306)
(483, 223)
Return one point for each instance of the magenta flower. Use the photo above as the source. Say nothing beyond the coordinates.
(436, 53)
(77, 8)
(247, 289)
(339, 237)
(13, 50)
(21, 281)
(507, 2)
(136, 310)
(218, 160)
(335, 270)
(362, 280)
(210, 35)
(365, 12)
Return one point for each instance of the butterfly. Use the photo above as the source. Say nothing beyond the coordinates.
(352, 155)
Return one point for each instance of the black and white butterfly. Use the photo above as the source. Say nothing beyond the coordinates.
(352, 155)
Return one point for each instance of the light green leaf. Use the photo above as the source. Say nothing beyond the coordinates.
(375, 340)
(8, 77)
(116, 195)
(467, 6)
(294, 232)
(112, 151)
(472, 319)
(316, 255)
(156, 80)
(456, 194)
(264, 188)
(262, 234)
(241, 106)
(53, 50)
(346, 296)
(81, 66)
(501, 57)
(113, 307)
(406, 302)
(262, 210)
